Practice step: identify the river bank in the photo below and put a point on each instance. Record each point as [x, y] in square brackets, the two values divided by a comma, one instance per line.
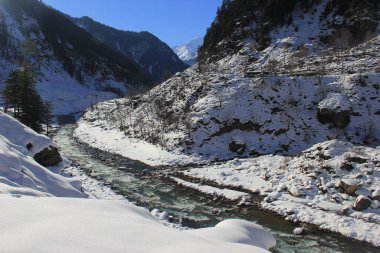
[199, 210]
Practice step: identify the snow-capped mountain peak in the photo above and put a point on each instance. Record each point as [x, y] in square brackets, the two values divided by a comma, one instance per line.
[188, 53]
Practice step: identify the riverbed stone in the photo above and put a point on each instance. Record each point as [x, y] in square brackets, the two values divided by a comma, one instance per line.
[349, 186]
[361, 203]
[376, 194]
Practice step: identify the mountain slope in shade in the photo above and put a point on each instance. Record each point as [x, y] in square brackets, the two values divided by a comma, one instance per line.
[156, 58]
[188, 53]
[74, 70]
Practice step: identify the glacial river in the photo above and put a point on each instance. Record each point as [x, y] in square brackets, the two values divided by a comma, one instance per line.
[148, 187]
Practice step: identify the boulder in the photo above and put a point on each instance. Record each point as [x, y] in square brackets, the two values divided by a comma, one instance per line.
[376, 194]
[296, 191]
[335, 109]
[349, 186]
[48, 157]
[361, 203]
[237, 146]
[298, 231]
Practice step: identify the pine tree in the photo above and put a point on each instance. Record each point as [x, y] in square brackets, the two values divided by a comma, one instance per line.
[20, 93]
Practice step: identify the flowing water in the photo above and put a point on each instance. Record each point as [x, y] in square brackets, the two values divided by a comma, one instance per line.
[146, 186]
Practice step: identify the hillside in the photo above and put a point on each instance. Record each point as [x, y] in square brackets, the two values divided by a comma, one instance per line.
[74, 69]
[155, 57]
[295, 93]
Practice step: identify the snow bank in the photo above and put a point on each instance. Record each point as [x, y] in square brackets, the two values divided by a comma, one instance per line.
[22, 135]
[225, 193]
[84, 225]
[19, 173]
[114, 141]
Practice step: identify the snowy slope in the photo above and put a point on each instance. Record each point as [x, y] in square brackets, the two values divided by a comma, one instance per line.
[20, 174]
[73, 225]
[230, 110]
[188, 53]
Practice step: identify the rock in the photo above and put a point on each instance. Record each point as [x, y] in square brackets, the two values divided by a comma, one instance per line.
[296, 192]
[298, 231]
[282, 187]
[335, 109]
[48, 157]
[349, 186]
[29, 146]
[245, 201]
[376, 194]
[237, 146]
[361, 203]
[345, 210]
[375, 204]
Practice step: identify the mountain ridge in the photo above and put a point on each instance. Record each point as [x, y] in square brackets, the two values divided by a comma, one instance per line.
[155, 57]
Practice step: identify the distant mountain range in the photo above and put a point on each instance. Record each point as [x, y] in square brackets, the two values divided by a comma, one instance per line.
[154, 57]
[188, 53]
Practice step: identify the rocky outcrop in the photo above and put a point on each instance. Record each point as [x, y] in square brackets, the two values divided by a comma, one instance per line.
[48, 157]
[335, 109]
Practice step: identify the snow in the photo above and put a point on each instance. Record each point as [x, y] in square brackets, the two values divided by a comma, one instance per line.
[213, 191]
[66, 94]
[21, 135]
[46, 210]
[188, 53]
[20, 174]
[304, 188]
[116, 142]
[335, 102]
[88, 225]
[298, 231]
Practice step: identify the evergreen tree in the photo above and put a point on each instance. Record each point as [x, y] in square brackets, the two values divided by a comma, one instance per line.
[20, 93]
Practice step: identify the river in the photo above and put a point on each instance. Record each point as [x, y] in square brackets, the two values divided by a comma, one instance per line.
[148, 187]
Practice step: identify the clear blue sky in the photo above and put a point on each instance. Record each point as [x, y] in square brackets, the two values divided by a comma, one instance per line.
[176, 22]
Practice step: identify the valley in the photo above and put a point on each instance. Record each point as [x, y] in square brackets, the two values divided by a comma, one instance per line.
[260, 135]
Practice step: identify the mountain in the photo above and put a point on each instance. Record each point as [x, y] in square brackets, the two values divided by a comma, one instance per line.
[74, 70]
[270, 84]
[155, 57]
[188, 53]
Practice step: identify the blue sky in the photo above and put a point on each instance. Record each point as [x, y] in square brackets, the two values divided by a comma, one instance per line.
[176, 22]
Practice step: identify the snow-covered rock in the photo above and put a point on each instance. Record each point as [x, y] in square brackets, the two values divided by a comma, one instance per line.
[298, 231]
[335, 109]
